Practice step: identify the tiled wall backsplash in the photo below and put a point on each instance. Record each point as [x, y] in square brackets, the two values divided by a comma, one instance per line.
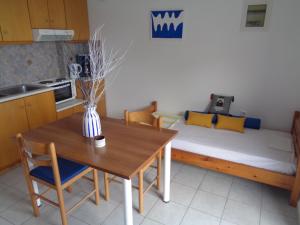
[37, 61]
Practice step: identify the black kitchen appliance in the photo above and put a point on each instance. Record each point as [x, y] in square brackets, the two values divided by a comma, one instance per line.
[84, 61]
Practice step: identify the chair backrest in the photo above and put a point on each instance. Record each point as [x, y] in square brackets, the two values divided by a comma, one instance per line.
[151, 108]
[144, 116]
[34, 154]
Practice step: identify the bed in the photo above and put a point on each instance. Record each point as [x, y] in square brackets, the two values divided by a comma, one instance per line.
[263, 155]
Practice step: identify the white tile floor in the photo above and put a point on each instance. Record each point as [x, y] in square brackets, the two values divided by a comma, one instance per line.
[198, 197]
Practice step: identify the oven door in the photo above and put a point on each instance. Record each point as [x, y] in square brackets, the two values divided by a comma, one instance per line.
[63, 92]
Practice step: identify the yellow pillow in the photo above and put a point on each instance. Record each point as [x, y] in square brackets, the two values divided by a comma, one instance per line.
[231, 123]
[200, 119]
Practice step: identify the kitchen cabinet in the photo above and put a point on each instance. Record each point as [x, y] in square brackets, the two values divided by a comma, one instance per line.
[13, 120]
[57, 14]
[77, 19]
[78, 108]
[14, 21]
[39, 15]
[65, 113]
[40, 109]
[47, 14]
[18, 116]
[70, 111]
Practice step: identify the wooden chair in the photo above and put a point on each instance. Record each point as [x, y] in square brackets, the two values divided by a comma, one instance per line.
[55, 173]
[143, 117]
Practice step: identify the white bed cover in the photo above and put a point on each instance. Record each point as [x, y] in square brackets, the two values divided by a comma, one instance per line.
[267, 149]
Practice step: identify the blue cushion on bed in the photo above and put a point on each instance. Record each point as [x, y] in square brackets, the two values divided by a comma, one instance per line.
[67, 169]
[250, 122]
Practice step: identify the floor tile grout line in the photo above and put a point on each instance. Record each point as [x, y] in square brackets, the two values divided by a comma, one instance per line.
[242, 203]
[261, 205]
[157, 200]
[151, 220]
[194, 196]
[174, 181]
[281, 213]
[218, 195]
[14, 203]
[45, 206]
[103, 222]
[154, 220]
[80, 220]
[227, 199]
[152, 207]
[120, 203]
[171, 180]
[199, 210]
[203, 178]
[198, 188]
[195, 188]
[28, 219]
[180, 169]
[6, 220]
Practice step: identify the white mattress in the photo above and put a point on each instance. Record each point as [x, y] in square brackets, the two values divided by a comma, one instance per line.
[267, 149]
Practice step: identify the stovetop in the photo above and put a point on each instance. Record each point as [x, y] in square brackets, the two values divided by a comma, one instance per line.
[51, 82]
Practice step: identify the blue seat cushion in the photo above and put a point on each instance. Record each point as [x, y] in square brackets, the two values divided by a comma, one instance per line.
[67, 169]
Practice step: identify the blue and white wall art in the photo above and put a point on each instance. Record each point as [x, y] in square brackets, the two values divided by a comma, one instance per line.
[167, 24]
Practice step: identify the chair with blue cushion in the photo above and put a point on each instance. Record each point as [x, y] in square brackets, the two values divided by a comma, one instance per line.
[54, 172]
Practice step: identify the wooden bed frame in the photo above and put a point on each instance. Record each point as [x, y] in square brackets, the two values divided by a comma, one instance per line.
[288, 182]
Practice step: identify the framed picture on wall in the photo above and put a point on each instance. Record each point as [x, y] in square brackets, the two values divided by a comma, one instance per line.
[167, 24]
[256, 15]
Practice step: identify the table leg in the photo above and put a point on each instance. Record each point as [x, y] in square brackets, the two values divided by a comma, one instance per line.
[167, 172]
[128, 216]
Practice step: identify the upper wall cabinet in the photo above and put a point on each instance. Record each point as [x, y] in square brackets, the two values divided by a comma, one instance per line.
[14, 21]
[47, 14]
[77, 19]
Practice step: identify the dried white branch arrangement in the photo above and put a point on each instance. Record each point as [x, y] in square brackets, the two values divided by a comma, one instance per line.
[103, 61]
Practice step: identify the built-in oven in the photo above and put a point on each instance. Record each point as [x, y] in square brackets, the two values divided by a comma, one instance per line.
[64, 89]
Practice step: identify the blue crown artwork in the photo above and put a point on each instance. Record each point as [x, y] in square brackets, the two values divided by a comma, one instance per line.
[167, 24]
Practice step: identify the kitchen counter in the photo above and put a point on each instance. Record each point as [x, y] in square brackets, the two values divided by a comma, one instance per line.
[68, 104]
[22, 95]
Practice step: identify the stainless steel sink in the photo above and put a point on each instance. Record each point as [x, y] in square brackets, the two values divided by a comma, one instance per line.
[19, 89]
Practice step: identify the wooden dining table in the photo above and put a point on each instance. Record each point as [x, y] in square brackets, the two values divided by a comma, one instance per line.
[128, 149]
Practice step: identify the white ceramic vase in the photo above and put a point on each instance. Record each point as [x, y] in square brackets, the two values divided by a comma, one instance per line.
[91, 125]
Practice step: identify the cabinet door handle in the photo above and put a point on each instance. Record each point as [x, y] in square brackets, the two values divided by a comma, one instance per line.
[22, 107]
[78, 36]
[28, 105]
[1, 36]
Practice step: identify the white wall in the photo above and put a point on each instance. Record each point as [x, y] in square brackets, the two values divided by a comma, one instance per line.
[261, 69]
